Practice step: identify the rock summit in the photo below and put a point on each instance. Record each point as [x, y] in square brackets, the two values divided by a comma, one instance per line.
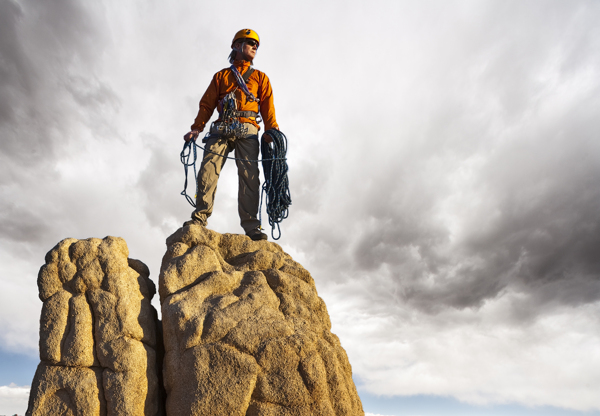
[244, 333]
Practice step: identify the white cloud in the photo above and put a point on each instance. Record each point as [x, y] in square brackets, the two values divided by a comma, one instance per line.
[13, 399]
[479, 356]
[373, 414]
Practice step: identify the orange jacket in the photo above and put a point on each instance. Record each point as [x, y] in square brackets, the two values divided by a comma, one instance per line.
[224, 82]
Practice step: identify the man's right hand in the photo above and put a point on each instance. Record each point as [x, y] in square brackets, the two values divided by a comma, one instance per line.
[192, 135]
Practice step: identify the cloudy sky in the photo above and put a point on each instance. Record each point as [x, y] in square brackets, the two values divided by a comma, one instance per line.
[444, 167]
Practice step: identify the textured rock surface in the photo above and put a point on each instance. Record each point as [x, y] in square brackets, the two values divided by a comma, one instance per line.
[98, 333]
[246, 333]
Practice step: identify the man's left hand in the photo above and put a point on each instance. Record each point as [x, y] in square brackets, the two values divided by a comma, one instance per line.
[267, 136]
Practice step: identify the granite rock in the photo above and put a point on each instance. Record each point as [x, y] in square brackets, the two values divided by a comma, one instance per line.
[98, 333]
[246, 333]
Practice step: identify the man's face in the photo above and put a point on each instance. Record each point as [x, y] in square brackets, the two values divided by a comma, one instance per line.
[248, 49]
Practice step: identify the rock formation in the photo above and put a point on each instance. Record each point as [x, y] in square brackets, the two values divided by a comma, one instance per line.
[245, 332]
[98, 333]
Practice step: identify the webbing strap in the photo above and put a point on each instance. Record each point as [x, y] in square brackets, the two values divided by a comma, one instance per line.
[245, 114]
[247, 74]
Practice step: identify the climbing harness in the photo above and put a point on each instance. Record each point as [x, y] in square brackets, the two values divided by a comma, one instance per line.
[229, 125]
[276, 185]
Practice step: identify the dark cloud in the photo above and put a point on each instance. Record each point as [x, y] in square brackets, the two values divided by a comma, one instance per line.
[18, 225]
[540, 239]
[14, 67]
[50, 96]
[511, 119]
[48, 52]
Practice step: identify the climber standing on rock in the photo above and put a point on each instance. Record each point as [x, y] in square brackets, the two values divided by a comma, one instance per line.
[239, 93]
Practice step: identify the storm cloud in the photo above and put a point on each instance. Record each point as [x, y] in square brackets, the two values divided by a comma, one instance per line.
[444, 161]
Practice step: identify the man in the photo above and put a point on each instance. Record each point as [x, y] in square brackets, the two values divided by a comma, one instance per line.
[239, 133]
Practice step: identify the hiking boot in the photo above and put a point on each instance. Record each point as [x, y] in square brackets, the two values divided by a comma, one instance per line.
[193, 221]
[256, 234]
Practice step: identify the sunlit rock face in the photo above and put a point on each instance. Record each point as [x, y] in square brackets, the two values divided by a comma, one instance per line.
[246, 333]
[98, 333]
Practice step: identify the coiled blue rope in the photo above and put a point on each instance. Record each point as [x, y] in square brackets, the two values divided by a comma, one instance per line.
[276, 185]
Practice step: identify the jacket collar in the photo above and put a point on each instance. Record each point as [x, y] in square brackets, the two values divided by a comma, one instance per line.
[239, 64]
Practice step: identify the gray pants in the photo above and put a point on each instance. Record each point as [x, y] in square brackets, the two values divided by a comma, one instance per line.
[246, 147]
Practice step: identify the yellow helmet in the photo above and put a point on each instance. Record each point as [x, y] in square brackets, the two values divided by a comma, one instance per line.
[245, 34]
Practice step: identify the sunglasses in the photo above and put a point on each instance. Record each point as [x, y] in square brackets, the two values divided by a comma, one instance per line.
[252, 43]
